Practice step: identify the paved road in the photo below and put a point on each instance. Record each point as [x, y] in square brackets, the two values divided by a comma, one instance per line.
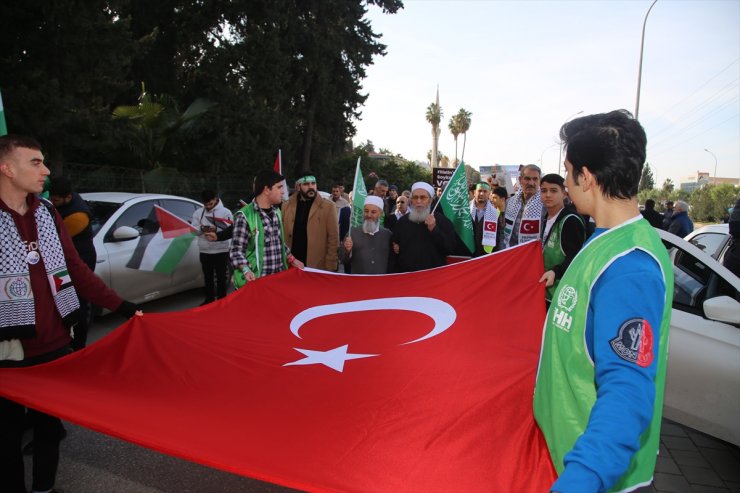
[95, 463]
[689, 461]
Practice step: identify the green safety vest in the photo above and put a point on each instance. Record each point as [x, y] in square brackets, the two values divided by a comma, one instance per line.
[255, 251]
[565, 391]
[553, 253]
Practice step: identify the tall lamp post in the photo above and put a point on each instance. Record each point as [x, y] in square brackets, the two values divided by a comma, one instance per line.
[560, 157]
[542, 156]
[639, 70]
[715, 165]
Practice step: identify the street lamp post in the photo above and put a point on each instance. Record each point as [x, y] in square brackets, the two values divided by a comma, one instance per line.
[715, 165]
[560, 157]
[542, 156]
[639, 70]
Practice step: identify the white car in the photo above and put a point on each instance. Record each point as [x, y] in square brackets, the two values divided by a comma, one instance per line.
[133, 256]
[703, 379]
[713, 239]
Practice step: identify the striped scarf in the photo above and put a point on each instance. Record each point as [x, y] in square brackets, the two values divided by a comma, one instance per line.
[490, 225]
[17, 313]
[529, 227]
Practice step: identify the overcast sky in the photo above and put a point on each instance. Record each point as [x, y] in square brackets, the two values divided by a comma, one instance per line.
[524, 67]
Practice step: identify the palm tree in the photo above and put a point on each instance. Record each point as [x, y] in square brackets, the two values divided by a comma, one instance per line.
[154, 120]
[455, 129]
[464, 117]
[434, 116]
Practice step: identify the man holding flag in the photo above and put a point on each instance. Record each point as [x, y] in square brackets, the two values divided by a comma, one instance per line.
[258, 247]
[422, 239]
[41, 274]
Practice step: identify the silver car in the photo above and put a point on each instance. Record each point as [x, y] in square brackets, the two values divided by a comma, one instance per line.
[145, 250]
[703, 380]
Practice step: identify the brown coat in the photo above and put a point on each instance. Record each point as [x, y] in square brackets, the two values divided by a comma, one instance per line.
[323, 231]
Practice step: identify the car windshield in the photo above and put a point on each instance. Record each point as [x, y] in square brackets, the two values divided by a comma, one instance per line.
[101, 212]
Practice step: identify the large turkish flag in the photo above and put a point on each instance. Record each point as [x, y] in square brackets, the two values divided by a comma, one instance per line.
[325, 382]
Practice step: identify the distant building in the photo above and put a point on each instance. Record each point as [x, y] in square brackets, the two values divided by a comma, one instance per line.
[701, 179]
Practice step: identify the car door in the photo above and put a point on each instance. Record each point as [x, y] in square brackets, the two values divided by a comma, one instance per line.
[188, 273]
[127, 276]
[704, 345]
[711, 243]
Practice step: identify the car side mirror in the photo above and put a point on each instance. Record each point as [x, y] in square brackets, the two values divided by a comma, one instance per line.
[125, 233]
[722, 309]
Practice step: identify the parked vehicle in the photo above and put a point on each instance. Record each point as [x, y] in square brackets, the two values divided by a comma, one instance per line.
[128, 242]
[713, 239]
[703, 380]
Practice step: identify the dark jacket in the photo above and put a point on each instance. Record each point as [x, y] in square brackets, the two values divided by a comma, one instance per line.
[83, 240]
[681, 225]
[654, 217]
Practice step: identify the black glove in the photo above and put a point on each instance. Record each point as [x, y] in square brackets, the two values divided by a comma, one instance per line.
[127, 309]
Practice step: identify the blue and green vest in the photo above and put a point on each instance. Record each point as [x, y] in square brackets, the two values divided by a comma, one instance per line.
[553, 253]
[255, 251]
[565, 391]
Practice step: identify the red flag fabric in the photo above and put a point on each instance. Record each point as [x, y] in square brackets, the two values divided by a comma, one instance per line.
[278, 166]
[172, 226]
[324, 382]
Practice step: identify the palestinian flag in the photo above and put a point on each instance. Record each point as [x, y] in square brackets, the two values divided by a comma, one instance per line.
[220, 222]
[59, 280]
[163, 250]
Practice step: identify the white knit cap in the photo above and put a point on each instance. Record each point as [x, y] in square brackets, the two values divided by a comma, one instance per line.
[423, 186]
[373, 200]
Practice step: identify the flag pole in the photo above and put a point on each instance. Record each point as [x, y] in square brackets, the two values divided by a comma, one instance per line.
[354, 194]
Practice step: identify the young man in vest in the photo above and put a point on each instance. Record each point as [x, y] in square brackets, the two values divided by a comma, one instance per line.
[41, 275]
[258, 244]
[564, 232]
[599, 392]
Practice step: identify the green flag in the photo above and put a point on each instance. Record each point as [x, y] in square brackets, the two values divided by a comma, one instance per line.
[455, 205]
[3, 126]
[359, 192]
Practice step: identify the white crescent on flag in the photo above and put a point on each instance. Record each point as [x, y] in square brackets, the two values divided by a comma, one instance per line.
[442, 313]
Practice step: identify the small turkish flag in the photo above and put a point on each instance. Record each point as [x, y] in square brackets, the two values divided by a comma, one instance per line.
[489, 226]
[530, 226]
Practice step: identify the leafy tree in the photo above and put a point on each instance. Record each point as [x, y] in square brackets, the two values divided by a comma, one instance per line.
[647, 182]
[710, 203]
[61, 63]
[668, 185]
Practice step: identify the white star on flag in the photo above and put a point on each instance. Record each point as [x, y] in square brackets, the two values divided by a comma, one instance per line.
[333, 358]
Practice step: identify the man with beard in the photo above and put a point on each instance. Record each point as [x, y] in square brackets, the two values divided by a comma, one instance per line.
[485, 220]
[367, 248]
[523, 211]
[311, 228]
[422, 239]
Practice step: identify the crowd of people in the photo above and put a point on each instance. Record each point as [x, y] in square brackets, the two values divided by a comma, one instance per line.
[607, 279]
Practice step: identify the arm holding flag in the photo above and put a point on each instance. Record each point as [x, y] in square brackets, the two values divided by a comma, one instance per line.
[89, 286]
